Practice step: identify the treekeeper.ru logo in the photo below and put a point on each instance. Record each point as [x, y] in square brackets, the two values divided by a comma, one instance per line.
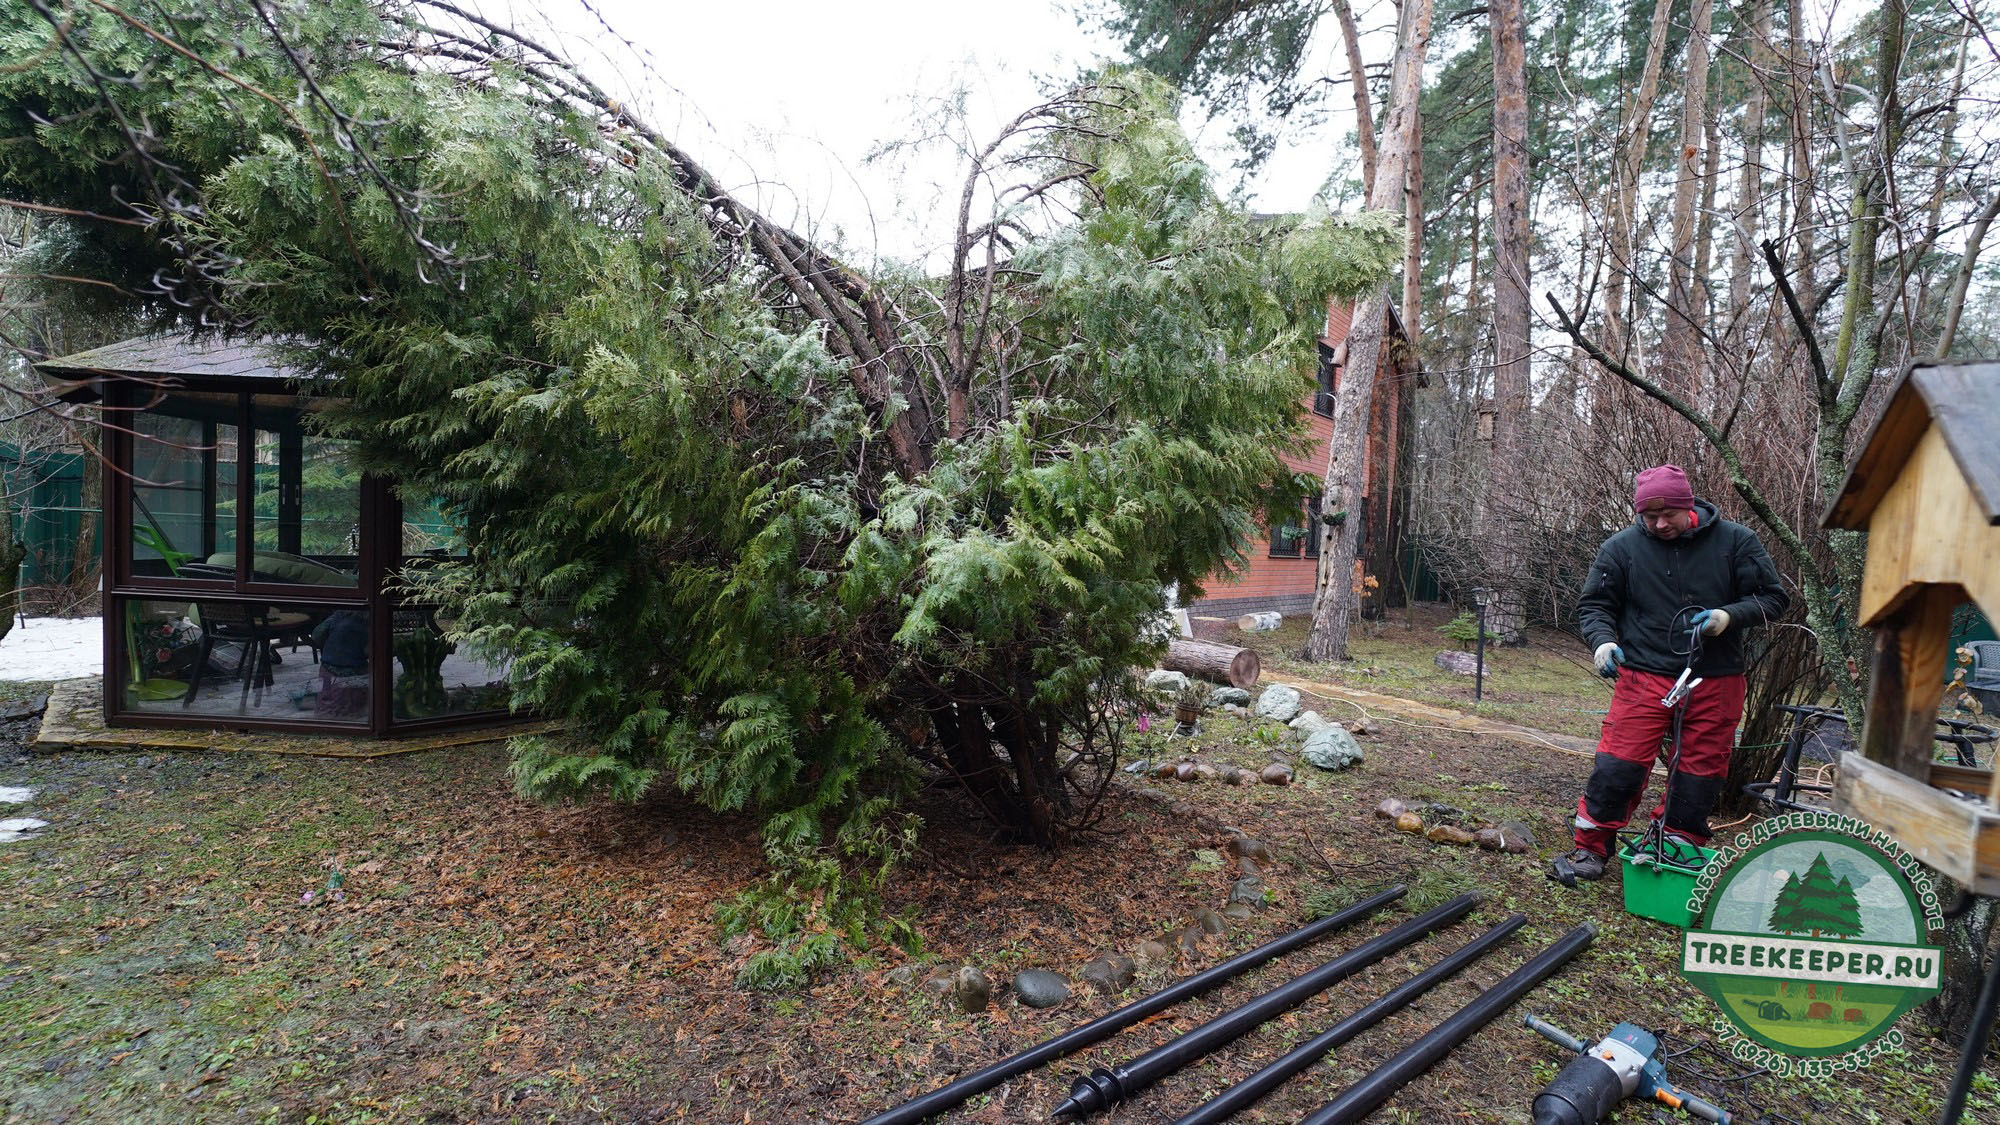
[1814, 934]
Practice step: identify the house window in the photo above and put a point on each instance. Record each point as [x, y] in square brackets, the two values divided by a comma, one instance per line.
[1329, 378]
[1298, 539]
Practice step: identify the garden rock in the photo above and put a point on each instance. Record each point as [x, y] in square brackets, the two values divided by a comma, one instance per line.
[1166, 769]
[1461, 663]
[1277, 773]
[1308, 722]
[1224, 697]
[940, 983]
[1186, 772]
[1487, 838]
[1237, 912]
[1039, 988]
[1409, 822]
[1162, 680]
[1153, 953]
[1449, 834]
[1249, 889]
[1233, 776]
[1515, 837]
[1249, 847]
[1210, 922]
[15, 795]
[902, 976]
[1332, 749]
[1236, 710]
[1391, 808]
[1278, 702]
[1205, 772]
[1112, 972]
[1438, 812]
[1188, 942]
[1364, 726]
[971, 990]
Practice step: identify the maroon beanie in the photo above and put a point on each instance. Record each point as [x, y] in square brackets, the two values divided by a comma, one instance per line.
[1662, 482]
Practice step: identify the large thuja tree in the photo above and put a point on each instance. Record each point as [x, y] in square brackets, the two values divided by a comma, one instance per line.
[749, 521]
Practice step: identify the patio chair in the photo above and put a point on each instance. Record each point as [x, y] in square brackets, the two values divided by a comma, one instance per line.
[1985, 672]
[256, 628]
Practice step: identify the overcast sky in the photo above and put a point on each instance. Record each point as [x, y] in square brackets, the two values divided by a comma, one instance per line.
[784, 100]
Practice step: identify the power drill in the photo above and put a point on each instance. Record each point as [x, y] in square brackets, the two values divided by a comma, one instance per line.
[1622, 1065]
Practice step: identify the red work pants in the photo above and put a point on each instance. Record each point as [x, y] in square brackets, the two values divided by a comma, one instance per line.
[1634, 731]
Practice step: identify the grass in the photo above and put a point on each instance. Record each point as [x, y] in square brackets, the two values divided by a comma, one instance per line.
[1546, 684]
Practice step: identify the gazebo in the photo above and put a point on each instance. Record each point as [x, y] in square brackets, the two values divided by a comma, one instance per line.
[250, 568]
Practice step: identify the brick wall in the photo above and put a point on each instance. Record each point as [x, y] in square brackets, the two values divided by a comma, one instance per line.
[1285, 584]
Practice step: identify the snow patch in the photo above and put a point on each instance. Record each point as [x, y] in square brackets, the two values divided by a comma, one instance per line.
[53, 648]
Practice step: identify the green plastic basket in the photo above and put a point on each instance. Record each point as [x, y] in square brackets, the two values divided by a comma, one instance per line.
[1660, 890]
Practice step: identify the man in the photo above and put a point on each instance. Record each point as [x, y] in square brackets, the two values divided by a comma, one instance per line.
[1678, 568]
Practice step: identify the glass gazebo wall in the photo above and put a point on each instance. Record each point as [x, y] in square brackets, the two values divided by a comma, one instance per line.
[199, 630]
[436, 681]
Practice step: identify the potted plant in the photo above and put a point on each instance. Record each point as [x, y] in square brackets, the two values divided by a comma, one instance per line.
[1191, 701]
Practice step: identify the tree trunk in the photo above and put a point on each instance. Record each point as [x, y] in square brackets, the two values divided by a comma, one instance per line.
[1680, 345]
[1413, 230]
[1334, 602]
[12, 552]
[1625, 184]
[1750, 180]
[1223, 664]
[1511, 401]
[1364, 114]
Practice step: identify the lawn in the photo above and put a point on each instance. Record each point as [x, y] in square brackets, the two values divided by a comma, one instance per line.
[1546, 683]
[489, 960]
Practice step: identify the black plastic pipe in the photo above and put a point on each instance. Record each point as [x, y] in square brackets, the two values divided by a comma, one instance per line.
[1978, 1034]
[1102, 1088]
[1076, 1039]
[1238, 1097]
[1362, 1098]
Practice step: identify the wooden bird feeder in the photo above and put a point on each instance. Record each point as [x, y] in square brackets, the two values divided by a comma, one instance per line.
[1926, 487]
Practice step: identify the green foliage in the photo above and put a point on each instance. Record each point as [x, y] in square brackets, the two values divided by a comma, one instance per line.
[684, 520]
[1232, 53]
[1465, 630]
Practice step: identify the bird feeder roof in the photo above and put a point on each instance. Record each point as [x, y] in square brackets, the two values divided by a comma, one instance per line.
[1963, 402]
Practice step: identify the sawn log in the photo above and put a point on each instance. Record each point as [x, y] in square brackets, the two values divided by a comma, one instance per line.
[1238, 667]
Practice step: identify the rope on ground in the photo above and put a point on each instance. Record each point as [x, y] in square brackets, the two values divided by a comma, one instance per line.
[1519, 732]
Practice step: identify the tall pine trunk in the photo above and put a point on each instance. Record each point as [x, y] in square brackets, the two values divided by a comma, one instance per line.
[1335, 602]
[1511, 395]
[1681, 346]
[1625, 185]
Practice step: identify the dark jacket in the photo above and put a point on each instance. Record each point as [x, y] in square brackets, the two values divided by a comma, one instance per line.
[1642, 590]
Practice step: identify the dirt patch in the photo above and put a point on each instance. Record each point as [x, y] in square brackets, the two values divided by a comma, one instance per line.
[485, 959]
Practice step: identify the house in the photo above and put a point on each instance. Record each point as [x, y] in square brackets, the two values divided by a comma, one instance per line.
[250, 565]
[1281, 569]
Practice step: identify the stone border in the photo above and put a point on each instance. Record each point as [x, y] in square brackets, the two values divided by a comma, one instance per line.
[75, 721]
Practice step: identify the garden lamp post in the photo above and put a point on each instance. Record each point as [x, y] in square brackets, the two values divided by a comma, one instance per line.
[1480, 596]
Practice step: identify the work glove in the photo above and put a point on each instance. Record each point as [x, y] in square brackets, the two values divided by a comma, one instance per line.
[1608, 657]
[1710, 621]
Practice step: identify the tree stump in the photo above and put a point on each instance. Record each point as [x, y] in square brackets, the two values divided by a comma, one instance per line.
[1238, 667]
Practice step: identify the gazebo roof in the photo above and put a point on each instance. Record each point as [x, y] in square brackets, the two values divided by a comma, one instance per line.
[174, 356]
[1963, 402]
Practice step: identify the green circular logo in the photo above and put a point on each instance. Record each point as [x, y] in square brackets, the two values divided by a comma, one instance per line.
[1814, 937]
